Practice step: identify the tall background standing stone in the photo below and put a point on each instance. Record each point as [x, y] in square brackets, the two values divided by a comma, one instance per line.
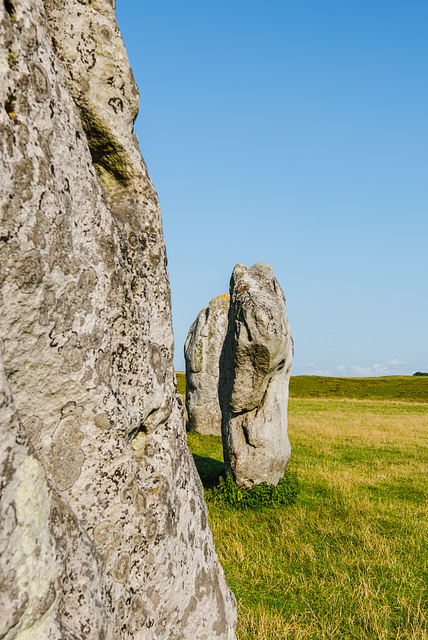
[93, 443]
[202, 353]
[254, 377]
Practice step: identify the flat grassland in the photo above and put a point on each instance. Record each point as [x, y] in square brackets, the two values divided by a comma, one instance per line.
[350, 559]
[406, 388]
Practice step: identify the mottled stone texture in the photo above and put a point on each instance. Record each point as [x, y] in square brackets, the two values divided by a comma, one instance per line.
[254, 376]
[105, 530]
[202, 353]
[51, 581]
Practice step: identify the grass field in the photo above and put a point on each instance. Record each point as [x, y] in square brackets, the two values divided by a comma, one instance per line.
[404, 388]
[349, 560]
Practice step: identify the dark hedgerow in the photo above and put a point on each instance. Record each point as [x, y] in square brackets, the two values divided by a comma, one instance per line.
[259, 495]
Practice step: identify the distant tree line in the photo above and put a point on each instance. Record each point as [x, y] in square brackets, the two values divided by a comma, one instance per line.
[420, 373]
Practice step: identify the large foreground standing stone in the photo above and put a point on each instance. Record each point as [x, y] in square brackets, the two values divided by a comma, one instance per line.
[104, 531]
[254, 376]
[202, 353]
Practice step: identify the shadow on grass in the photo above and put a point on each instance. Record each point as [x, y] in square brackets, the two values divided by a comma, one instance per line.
[209, 470]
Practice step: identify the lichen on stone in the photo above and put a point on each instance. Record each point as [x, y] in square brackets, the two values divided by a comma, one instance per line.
[87, 342]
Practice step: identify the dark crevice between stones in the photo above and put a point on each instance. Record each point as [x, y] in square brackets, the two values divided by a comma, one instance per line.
[141, 429]
[8, 5]
[9, 105]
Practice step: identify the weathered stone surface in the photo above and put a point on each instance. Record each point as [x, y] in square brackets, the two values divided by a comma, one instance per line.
[202, 353]
[87, 350]
[87, 41]
[51, 582]
[254, 376]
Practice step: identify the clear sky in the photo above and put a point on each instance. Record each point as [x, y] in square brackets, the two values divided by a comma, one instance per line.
[293, 132]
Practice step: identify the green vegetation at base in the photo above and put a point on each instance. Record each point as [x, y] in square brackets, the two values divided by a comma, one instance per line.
[348, 559]
[259, 495]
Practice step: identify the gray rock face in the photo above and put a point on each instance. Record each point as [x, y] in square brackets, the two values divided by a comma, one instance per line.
[254, 377]
[106, 531]
[44, 593]
[202, 353]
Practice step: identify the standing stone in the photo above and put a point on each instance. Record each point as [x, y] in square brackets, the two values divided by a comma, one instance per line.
[106, 532]
[254, 377]
[202, 353]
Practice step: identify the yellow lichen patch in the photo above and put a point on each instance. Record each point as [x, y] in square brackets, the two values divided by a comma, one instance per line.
[226, 296]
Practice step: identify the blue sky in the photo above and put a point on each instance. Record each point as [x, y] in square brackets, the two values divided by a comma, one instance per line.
[293, 132]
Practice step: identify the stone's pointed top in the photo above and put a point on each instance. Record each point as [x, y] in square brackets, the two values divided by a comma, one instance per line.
[261, 271]
[238, 271]
[260, 274]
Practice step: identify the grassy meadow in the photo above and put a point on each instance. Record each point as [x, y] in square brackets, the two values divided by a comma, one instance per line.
[405, 388]
[350, 558]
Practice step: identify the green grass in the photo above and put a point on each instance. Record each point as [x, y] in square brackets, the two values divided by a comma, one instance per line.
[349, 560]
[208, 455]
[181, 383]
[405, 388]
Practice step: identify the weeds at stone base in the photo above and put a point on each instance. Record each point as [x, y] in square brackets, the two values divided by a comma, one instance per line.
[259, 495]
